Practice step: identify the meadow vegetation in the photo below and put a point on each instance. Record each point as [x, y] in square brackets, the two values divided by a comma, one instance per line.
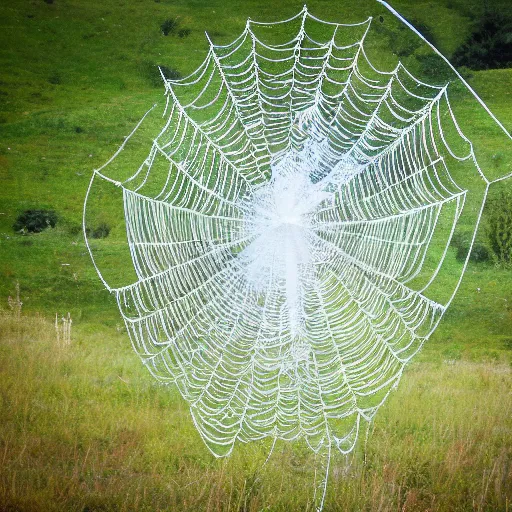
[83, 428]
[82, 425]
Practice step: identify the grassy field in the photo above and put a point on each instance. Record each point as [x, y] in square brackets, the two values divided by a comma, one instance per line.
[83, 427]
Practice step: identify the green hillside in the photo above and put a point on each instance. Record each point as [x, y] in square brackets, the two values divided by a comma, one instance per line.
[77, 79]
[84, 427]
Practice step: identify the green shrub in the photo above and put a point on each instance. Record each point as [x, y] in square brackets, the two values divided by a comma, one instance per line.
[102, 231]
[169, 26]
[184, 32]
[151, 73]
[54, 79]
[499, 227]
[490, 44]
[479, 253]
[35, 221]
[462, 241]
[170, 73]
[402, 41]
[434, 68]
[75, 229]
[424, 30]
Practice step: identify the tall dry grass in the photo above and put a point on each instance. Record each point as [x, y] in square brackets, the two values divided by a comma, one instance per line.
[83, 427]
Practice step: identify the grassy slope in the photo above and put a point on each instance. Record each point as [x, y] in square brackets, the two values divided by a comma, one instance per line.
[53, 134]
[74, 82]
[86, 430]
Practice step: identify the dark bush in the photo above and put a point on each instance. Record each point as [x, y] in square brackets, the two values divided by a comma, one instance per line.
[102, 231]
[490, 44]
[170, 73]
[35, 221]
[434, 68]
[184, 32]
[462, 253]
[499, 227]
[169, 26]
[462, 241]
[150, 72]
[403, 42]
[479, 253]
[75, 229]
[54, 79]
[424, 30]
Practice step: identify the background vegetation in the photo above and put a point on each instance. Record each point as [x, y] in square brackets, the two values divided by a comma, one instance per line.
[82, 426]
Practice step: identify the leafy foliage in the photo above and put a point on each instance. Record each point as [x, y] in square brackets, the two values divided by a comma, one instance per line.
[35, 221]
[402, 41]
[479, 253]
[433, 68]
[54, 79]
[490, 45]
[102, 231]
[462, 242]
[151, 73]
[184, 32]
[499, 227]
[169, 26]
[170, 73]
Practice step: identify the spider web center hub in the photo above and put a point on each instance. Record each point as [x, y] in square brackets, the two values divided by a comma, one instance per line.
[281, 227]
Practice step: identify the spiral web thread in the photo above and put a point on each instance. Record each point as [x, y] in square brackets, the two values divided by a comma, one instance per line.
[282, 230]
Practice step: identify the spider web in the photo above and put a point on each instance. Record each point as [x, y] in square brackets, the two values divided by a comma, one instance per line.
[288, 230]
